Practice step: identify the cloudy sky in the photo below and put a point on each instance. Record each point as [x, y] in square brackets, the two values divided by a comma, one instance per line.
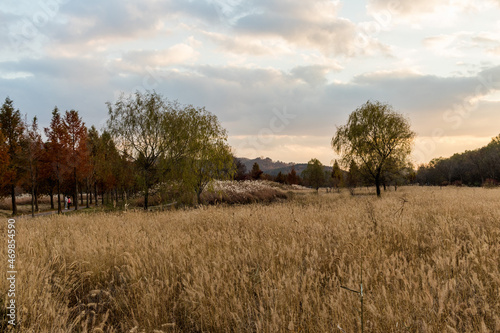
[279, 74]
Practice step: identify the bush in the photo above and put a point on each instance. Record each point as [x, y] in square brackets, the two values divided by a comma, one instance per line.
[490, 183]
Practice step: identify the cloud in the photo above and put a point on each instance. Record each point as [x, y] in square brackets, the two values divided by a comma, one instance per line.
[261, 101]
[459, 43]
[425, 13]
[247, 45]
[314, 75]
[312, 24]
[176, 54]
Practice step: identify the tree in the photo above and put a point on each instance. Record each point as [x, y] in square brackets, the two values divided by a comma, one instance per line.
[77, 144]
[314, 174]
[280, 178]
[241, 170]
[33, 150]
[292, 178]
[12, 128]
[374, 134]
[337, 175]
[256, 172]
[57, 150]
[138, 125]
[207, 155]
[353, 176]
[4, 163]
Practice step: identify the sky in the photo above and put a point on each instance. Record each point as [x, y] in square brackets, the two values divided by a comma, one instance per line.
[280, 75]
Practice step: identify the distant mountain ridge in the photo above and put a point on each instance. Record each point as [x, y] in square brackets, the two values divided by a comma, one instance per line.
[272, 168]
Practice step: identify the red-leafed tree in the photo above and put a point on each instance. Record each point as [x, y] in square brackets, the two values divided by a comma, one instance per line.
[4, 163]
[12, 128]
[77, 144]
[33, 151]
[57, 150]
[93, 143]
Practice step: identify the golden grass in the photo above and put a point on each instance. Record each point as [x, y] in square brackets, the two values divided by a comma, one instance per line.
[432, 267]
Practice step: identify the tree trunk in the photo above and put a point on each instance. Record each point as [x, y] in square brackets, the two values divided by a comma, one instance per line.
[59, 210]
[146, 197]
[13, 195]
[32, 200]
[51, 198]
[76, 189]
[377, 185]
[81, 196]
[95, 194]
[102, 197]
[88, 193]
[36, 199]
[385, 188]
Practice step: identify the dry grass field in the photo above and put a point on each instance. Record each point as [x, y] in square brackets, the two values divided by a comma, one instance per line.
[431, 264]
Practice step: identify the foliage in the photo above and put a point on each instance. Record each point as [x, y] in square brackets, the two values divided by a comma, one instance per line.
[12, 128]
[241, 170]
[374, 135]
[292, 178]
[77, 146]
[58, 151]
[472, 168]
[337, 175]
[207, 155]
[314, 174]
[256, 173]
[167, 141]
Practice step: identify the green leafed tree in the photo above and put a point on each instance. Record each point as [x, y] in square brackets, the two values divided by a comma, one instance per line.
[206, 154]
[137, 124]
[169, 142]
[314, 174]
[374, 135]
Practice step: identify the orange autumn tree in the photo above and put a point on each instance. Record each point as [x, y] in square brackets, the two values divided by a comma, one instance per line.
[4, 163]
[77, 147]
[12, 128]
[33, 151]
[57, 151]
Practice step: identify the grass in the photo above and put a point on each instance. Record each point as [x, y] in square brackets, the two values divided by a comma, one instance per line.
[433, 266]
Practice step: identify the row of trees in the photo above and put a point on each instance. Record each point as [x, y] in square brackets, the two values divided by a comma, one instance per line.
[290, 178]
[168, 148]
[480, 167]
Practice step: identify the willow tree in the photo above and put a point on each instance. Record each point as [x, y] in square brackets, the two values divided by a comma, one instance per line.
[168, 141]
[136, 123]
[374, 137]
[206, 155]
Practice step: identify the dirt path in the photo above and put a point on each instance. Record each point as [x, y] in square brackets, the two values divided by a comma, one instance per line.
[51, 212]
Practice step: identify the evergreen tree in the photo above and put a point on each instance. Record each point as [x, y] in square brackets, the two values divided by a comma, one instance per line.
[337, 175]
[256, 173]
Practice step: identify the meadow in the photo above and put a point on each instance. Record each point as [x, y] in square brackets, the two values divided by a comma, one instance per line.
[428, 260]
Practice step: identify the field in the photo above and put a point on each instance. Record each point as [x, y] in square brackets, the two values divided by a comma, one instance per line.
[428, 259]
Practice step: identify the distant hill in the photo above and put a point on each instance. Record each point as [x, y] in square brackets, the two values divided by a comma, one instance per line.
[274, 167]
[265, 164]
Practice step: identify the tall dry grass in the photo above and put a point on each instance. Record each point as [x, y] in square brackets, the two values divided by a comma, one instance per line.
[433, 266]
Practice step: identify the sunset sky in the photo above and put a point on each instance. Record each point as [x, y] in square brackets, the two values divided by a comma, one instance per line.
[279, 74]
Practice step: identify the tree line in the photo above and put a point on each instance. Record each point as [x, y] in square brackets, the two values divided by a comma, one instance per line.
[150, 145]
[479, 167]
